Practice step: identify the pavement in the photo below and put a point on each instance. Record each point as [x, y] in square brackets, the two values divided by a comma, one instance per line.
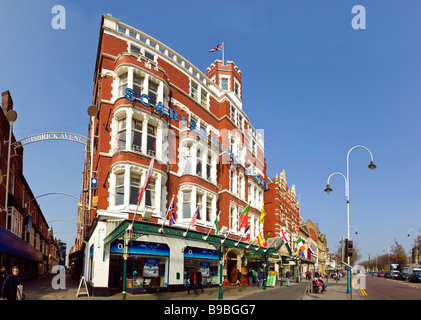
[42, 289]
[336, 290]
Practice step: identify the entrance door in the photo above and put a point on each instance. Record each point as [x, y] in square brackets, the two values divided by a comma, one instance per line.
[232, 271]
[232, 267]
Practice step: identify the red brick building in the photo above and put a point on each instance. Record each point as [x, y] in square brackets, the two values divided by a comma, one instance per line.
[24, 238]
[282, 207]
[152, 103]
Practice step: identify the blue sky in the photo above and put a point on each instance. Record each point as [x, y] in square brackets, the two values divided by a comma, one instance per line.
[316, 86]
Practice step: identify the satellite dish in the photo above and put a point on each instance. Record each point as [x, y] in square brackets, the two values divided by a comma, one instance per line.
[92, 111]
[11, 115]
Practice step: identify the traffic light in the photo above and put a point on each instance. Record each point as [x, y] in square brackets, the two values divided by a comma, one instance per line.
[349, 248]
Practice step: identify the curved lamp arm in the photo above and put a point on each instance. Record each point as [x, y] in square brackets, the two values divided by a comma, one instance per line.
[329, 189]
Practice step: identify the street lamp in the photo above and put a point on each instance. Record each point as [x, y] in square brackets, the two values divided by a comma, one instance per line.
[416, 243]
[356, 230]
[328, 190]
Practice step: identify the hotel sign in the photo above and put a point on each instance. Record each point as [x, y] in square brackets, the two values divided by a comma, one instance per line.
[191, 124]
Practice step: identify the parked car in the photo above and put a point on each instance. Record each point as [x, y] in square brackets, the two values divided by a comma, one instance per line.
[403, 276]
[387, 274]
[415, 277]
[380, 274]
[374, 273]
[395, 274]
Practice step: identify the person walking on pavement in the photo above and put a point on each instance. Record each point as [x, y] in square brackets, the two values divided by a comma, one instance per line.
[10, 286]
[287, 275]
[198, 282]
[260, 276]
[239, 278]
[3, 275]
[192, 281]
[250, 276]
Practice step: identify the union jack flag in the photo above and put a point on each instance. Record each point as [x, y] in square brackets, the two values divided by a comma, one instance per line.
[216, 48]
[171, 213]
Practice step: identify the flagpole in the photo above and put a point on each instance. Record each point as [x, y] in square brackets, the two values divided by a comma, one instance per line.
[188, 228]
[205, 238]
[166, 215]
[273, 241]
[241, 238]
[223, 49]
[236, 223]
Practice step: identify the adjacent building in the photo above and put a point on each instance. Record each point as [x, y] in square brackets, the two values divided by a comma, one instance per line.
[24, 239]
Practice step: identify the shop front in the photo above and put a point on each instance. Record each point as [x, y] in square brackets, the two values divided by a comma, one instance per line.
[205, 260]
[147, 265]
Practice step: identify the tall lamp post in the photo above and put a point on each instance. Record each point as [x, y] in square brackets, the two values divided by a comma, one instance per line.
[416, 244]
[11, 116]
[328, 190]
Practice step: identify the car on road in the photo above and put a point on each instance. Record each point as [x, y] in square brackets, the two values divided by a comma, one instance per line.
[403, 276]
[374, 273]
[395, 274]
[380, 274]
[415, 277]
[387, 275]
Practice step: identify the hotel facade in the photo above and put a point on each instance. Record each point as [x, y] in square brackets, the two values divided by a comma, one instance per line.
[148, 103]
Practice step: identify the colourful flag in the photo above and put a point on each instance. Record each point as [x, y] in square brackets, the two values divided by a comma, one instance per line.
[310, 248]
[300, 245]
[172, 220]
[260, 239]
[216, 48]
[244, 218]
[195, 217]
[216, 222]
[284, 235]
[265, 242]
[299, 253]
[262, 215]
[145, 185]
[247, 233]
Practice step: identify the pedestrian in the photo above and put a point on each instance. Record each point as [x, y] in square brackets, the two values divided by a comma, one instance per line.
[255, 276]
[287, 275]
[239, 275]
[198, 282]
[3, 275]
[260, 276]
[10, 286]
[250, 276]
[192, 280]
